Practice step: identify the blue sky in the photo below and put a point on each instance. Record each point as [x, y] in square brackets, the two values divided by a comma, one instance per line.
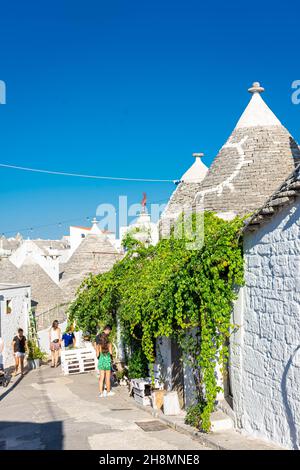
[129, 88]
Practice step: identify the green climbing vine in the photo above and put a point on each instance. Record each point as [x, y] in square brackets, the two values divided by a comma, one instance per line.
[170, 290]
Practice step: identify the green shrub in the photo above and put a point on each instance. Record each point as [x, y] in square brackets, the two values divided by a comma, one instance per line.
[193, 415]
[34, 351]
[137, 365]
[120, 374]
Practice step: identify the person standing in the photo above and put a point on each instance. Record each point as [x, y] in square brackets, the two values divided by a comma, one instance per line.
[55, 343]
[69, 338]
[104, 354]
[19, 350]
[106, 332]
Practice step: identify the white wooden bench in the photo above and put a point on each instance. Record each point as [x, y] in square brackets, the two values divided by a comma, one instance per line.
[78, 361]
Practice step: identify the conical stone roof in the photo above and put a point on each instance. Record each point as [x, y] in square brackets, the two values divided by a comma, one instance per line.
[257, 157]
[184, 194]
[95, 254]
[45, 294]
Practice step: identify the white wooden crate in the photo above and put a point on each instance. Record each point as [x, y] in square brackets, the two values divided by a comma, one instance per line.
[78, 361]
[140, 397]
[142, 390]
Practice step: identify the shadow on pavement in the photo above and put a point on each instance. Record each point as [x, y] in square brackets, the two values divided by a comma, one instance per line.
[17, 435]
[11, 386]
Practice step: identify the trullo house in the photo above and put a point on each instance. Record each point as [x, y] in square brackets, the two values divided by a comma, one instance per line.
[265, 351]
[250, 167]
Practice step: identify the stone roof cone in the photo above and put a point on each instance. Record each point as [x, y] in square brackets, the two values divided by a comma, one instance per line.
[257, 157]
[196, 172]
[95, 254]
[184, 194]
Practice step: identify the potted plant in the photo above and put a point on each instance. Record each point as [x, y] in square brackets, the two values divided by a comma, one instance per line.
[35, 355]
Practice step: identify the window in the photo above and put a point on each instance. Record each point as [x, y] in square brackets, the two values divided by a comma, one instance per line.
[8, 306]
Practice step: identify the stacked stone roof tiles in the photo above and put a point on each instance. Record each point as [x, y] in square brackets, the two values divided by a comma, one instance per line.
[96, 254]
[184, 195]
[47, 245]
[10, 243]
[248, 169]
[259, 154]
[45, 293]
[286, 194]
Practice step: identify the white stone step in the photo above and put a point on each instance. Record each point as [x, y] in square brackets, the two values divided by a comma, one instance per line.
[220, 422]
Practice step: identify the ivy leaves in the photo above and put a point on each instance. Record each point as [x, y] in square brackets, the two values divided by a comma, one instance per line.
[169, 290]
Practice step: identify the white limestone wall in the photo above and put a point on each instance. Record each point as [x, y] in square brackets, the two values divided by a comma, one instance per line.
[77, 234]
[265, 353]
[165, 366]
[190, 395]
[18, 318]
[43, 337]
[236, 354]
[164, 361]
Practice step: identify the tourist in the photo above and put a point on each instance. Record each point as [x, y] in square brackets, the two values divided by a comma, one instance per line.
[55, 343]
[19, 349]
[104, 353]
[106, 332]
[68, 338]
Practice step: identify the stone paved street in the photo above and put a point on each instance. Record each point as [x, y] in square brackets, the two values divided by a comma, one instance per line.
[46, 410]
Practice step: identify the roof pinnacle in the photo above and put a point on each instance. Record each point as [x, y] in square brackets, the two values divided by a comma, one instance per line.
[256, 88]
[198, 155]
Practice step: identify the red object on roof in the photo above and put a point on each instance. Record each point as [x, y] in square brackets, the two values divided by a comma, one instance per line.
[83, 228]
[144, 200]
[89, 228]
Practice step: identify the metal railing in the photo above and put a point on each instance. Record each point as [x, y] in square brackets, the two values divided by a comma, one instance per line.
[45, 319]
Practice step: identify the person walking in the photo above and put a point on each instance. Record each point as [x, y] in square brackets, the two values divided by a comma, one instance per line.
[55, 343]
[19, 350]
[104, 353]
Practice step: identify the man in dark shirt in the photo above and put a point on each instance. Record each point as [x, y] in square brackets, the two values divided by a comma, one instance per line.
[19, 349]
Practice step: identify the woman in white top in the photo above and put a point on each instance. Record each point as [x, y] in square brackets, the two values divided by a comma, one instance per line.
[55, 343]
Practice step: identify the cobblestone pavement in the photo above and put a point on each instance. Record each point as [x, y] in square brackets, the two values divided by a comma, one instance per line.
[46, 410]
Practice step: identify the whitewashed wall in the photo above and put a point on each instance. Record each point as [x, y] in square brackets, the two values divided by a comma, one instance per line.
[164, 361]
[43, 337]
[165, 365]
[18, 318]
[265, 352]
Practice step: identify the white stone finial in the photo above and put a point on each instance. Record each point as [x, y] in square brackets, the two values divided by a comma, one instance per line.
[256, 88]
[257, 113]
[198, 155]
[197, 171]
[95, 228]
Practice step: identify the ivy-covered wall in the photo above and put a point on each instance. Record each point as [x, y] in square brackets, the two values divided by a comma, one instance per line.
[170, 290]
